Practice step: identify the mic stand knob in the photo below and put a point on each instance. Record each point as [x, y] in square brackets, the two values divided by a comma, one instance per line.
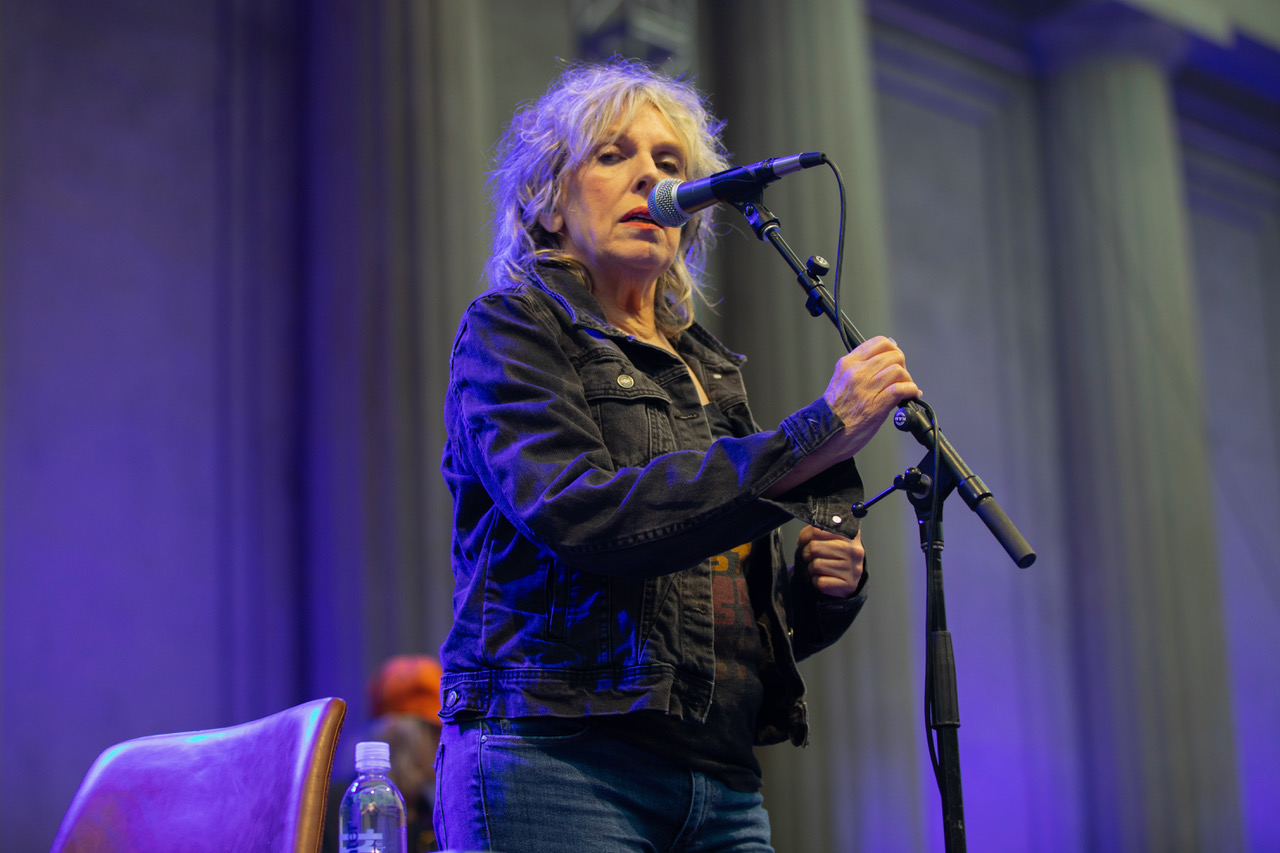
[913, 481]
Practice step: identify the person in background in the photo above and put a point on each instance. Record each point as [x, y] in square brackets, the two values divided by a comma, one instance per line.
[404, 700]
[626, 624]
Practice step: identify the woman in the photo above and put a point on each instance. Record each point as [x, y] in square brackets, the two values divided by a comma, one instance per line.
[626, 625]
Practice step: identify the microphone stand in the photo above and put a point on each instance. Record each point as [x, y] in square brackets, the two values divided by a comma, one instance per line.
[942, 709]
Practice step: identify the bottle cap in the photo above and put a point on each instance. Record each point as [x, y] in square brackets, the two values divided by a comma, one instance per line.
[373, 755]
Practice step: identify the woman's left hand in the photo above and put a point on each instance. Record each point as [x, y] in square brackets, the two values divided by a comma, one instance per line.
[834, 561]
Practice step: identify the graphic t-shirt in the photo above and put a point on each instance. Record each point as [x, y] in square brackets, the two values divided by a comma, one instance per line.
[722, 746]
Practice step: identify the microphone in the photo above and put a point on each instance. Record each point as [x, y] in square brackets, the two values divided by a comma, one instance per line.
[672, 203]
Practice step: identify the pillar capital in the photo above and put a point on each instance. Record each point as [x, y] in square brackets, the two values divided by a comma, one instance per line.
[1108, 30]
[658, 31]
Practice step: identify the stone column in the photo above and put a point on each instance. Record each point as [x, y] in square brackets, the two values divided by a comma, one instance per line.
[1151, 661]
[399, 127]
[788, 78]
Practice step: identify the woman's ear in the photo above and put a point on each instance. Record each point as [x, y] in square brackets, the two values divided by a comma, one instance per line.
[551, 221]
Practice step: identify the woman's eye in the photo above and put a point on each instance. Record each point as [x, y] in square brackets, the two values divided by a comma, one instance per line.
[609, 157]
[670, 166]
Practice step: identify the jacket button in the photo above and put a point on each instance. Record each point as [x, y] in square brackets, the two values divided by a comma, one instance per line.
[451, 698]
[626, 381]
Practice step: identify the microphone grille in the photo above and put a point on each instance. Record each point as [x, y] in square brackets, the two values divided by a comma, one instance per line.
[662, 204]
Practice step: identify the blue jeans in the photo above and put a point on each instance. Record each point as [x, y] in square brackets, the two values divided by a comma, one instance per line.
[541, 785]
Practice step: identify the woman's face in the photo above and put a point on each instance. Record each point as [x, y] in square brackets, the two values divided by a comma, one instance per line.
[603, 216]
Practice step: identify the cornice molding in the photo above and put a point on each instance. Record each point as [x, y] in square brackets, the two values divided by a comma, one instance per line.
[1100, 31]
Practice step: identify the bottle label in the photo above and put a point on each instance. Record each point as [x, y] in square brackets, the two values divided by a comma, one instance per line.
[368, 841]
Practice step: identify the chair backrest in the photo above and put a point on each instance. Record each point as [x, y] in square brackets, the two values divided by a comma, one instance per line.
[260, 785]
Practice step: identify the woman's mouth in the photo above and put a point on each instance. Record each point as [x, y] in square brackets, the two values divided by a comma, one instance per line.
[640, 216]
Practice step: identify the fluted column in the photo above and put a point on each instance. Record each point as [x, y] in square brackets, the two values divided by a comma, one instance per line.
[796, 77]
[450, 102]
[399, 130]
[1151, 663]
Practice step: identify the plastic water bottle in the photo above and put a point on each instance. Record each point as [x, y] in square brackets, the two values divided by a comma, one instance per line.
[372, 818]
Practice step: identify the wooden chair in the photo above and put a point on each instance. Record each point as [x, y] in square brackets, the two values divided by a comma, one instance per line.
[261, 785]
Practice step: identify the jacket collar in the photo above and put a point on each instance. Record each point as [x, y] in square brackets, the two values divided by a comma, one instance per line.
[584, 310]
[583, 307]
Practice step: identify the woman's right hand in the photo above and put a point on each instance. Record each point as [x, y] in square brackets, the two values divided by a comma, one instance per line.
[868, 383]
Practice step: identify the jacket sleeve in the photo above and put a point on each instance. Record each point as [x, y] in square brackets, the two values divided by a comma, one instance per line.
[517, 412]
[818, 620]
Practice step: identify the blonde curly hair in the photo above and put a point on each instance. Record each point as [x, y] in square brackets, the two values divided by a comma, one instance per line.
[547, 140]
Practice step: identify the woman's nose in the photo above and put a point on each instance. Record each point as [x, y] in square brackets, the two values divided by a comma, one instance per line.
[649, 175]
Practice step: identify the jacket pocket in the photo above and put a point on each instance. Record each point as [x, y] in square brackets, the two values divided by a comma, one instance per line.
[631, 410]
[557, 580]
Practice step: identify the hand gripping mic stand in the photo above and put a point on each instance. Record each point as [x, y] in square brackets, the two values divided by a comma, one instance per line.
[926, 494]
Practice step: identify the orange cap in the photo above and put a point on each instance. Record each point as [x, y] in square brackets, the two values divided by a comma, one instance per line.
[407, 684]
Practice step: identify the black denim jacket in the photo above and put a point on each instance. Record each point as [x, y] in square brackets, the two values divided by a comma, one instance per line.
[588, 498]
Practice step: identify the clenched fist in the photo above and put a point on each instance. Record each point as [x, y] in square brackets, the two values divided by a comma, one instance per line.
[834, 561]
